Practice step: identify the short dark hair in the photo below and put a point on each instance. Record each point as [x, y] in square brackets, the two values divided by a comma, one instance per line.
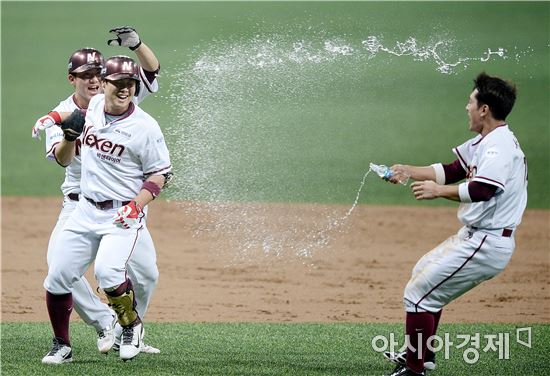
[498, 94]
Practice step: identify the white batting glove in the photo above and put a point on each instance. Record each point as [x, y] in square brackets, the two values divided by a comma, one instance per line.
[126, 36]
[128, 215]
[45, 122]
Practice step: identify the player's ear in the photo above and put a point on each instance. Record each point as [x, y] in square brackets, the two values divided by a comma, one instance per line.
[72, 79]
[485, 110]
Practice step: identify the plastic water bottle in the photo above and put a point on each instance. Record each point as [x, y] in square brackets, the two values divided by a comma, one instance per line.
[386, 173]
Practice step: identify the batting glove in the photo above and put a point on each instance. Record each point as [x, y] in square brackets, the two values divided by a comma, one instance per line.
[128, 215]
[72, 126]
[126, 37]
[45, 122]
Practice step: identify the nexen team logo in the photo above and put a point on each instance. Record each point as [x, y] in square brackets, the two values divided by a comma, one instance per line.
[92, 57]
[102, 144]
[126, 66]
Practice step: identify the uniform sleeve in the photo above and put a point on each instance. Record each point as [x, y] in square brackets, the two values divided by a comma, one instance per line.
[149, 84]
[464, 153]
[155, 158]
[453, 172]
[493, 167]
[54, 134]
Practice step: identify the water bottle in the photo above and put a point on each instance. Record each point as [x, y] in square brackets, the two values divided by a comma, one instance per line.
[386, 173]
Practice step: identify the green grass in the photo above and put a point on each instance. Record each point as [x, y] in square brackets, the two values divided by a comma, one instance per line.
[311, 134]
[264, 349]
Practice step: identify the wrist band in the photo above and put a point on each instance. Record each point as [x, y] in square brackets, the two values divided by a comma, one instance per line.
[136, 46]
[153, 188]
[55, 116]
[439, 173]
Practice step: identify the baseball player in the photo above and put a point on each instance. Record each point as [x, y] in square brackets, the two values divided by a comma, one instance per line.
[492, 201]
[84, 70]
[125, 164]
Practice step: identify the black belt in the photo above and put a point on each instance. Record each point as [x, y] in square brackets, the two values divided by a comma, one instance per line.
[105, 205]
[506, 232]
[73, 196]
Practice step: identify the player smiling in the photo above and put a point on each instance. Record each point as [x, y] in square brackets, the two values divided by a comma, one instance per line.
[84, 70]
[109, 219]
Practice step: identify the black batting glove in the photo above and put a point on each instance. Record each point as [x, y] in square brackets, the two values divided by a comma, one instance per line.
[72, 126]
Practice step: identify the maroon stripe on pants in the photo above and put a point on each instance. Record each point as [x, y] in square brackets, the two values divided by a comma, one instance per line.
[452, 274]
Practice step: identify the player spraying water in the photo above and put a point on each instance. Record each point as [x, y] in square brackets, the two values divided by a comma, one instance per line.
[493, 198]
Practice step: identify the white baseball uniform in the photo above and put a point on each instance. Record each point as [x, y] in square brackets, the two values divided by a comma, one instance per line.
[482, 248]
[142, 270]
[118, 154]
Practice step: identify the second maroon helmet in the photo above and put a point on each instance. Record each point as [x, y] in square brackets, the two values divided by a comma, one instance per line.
[119, 67]
[85, 59]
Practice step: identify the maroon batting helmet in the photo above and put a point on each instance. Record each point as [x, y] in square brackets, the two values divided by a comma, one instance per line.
[85, 59]
[120, 67]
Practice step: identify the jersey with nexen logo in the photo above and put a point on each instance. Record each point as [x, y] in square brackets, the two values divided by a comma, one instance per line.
[495, 159]
[118, 156]
[54, 135]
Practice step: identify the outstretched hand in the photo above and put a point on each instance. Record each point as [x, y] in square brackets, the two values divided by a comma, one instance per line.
[399, 174]
[126, 36]
[425, 190]
[45, 122]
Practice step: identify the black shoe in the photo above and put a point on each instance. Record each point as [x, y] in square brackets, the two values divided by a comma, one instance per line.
[400, 358]
[402, 370]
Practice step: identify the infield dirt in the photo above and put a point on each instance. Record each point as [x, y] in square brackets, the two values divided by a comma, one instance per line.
[358, 277]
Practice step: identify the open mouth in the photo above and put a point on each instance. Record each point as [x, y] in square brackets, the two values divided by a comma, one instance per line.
[93, 88]
[122, 96]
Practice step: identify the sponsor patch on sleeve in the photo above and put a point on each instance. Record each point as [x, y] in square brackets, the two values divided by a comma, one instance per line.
[491, 152]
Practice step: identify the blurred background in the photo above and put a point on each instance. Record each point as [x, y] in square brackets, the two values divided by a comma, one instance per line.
[287, 101]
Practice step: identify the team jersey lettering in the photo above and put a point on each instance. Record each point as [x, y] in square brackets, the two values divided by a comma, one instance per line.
[102, 144]
[77, 146]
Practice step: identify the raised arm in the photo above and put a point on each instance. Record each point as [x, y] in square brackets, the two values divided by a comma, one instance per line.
[127, 36]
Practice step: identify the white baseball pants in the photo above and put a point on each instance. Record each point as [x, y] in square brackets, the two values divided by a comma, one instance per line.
[86, 303]
[456, 266]
[89, 234]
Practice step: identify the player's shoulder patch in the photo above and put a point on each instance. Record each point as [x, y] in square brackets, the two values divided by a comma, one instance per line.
[492, 152]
